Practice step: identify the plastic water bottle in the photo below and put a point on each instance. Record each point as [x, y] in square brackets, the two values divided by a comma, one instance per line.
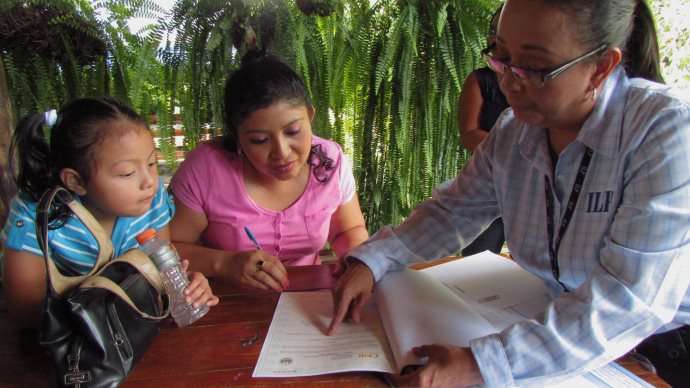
[165, 257]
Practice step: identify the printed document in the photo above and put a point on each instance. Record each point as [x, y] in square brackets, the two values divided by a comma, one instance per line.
[297, 346]
[450, 303]
[495, 287]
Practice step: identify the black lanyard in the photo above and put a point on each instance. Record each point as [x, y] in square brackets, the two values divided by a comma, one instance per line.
[569, 210]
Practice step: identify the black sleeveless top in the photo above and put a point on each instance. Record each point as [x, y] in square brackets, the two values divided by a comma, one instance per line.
[494, 100]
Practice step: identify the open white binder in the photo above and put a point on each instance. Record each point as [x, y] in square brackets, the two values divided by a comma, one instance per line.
[452, 302]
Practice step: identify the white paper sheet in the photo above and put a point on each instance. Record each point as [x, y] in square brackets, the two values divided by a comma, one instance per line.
[608, 376]
[495, 287]
[417, 310]
[296, 343]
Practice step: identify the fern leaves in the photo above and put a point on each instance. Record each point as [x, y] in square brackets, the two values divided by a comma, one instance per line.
[384, 77]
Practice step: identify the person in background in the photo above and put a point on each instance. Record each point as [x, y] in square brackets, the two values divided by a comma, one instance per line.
[641, 53]
[481, 102]
[102, 152]
[590, 171]
[292, 190]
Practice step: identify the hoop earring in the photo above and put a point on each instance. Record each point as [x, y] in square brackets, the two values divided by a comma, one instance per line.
[594, 94]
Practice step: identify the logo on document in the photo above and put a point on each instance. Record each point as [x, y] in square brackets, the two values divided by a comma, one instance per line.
[285, 361]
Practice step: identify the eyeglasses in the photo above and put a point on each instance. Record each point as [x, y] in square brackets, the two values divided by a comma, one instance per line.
[534, 78]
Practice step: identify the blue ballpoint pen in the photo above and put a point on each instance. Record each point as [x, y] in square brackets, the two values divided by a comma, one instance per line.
[286, 284]
[251, 237]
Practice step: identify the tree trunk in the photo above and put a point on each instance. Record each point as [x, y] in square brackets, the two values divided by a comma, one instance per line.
[7, 186]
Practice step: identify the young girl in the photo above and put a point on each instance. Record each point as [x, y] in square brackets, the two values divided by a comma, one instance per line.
[101, 151]
[292, 190]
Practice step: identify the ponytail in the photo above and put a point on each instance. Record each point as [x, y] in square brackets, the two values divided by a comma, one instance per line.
[627, 24]
[29, 156]
[75, 133]
[641, 53]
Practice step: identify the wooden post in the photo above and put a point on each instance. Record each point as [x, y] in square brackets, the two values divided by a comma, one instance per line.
[7, 186]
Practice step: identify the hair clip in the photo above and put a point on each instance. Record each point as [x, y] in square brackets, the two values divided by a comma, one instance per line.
[50, 117]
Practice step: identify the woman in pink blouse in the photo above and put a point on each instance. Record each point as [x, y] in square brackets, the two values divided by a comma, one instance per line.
[293, 190]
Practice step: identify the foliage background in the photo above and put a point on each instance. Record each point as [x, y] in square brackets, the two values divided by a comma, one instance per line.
[673, 32]
[384, 75]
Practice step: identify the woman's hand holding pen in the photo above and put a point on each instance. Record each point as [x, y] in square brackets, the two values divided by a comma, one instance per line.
[264, 271]
[255, 268]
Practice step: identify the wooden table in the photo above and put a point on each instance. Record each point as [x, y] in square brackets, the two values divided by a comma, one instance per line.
[220, 350]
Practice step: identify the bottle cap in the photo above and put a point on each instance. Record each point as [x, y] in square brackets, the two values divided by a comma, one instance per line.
[146, 236]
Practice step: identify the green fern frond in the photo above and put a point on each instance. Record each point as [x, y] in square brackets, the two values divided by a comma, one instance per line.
[383, 66]
[446, 46]
[385, 77]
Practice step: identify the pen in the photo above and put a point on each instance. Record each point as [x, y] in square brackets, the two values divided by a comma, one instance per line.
[251, 237]
[260, 263]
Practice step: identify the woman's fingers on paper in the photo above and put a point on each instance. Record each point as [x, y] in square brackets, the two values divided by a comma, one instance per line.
[356, 307]
[362, 284]
[342, 298]
[351, 292]
[348, 305]
[340, 308]
[344, 305]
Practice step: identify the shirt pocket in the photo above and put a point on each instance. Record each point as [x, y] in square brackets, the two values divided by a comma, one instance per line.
[318, 224]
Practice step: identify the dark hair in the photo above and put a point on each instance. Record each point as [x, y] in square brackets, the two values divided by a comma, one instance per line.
[261, 81]
[627, 24]
[81, 125]
[492, 28]
[641, 53]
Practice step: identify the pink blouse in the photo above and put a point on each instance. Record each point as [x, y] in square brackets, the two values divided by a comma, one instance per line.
[210, 181]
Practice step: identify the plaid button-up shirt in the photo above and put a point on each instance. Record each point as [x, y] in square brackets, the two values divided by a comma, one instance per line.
[625, 255]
